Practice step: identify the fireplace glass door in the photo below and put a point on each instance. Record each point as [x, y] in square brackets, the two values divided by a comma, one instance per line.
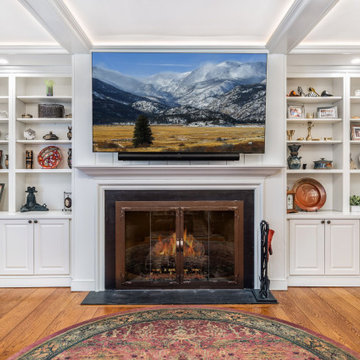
[192, 244]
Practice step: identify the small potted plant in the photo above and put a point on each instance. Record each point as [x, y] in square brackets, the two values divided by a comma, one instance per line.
[355, 203]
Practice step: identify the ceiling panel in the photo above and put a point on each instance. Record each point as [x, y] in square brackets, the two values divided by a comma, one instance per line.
[116, 22]
[339, 27]
[18, 27]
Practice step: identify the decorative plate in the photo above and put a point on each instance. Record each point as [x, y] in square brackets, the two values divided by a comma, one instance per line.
[310, 195]
[49, 157]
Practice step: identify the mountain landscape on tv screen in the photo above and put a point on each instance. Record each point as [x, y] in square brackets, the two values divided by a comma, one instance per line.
[228, 96]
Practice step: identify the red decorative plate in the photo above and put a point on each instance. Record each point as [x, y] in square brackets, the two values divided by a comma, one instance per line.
[49, 157]
[310, 195]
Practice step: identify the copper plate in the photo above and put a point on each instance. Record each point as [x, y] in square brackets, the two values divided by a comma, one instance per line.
[310, 195]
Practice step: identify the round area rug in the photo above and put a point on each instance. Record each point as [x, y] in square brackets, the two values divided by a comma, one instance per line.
[185, 333]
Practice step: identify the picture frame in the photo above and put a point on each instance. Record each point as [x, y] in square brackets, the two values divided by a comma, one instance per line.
[327, 112]
[2, 186]
[296, 111]
[290, 202]
[67, 201]
[355, 132]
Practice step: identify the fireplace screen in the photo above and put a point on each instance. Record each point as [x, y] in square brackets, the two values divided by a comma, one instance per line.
[179, 244]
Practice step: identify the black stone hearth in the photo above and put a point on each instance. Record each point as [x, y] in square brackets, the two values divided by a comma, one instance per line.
[175, 297]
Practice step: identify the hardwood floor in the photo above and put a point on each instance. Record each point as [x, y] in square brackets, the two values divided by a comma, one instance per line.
[27, 315]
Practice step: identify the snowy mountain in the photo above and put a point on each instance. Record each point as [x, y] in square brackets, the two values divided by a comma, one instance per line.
[226, 94]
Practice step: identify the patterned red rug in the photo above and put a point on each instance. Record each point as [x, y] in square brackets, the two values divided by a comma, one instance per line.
[185, 333]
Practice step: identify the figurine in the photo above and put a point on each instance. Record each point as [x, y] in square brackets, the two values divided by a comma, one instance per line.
[69, 159]
[29, 134]
[69, 133]
[29, 160]
[310, 125]
[301, 91]
[50, 136]
[31, 204]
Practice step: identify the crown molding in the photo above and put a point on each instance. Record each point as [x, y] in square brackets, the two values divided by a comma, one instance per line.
[180, 47]
[326, 49]
[56, 18]
[33, 49]
[300, 19]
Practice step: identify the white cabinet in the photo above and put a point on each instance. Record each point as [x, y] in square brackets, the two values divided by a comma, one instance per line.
[16, 246]
[306, 247]
[35, 247]
[342, 247]
[324, 247]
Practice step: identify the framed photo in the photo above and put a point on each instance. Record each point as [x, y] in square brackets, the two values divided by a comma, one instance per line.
[290, 202]
[328, 112]
[295, 111]
[355, 132]
[1, 190]
[67, 201]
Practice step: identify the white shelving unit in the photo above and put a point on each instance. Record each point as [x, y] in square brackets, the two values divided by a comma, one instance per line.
[324, 245]
[19, 95]
[333, 148]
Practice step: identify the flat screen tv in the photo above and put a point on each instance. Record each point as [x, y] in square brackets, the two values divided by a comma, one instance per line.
[171, 105]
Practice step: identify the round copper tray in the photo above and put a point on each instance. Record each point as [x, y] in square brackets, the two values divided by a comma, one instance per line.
[310, 195]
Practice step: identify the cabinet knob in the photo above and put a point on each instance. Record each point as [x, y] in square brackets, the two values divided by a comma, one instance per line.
[329, 222]
[35, 221]
[30, 221]
[323, 221]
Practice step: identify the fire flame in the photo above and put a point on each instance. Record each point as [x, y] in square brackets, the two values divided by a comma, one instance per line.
[167, 247]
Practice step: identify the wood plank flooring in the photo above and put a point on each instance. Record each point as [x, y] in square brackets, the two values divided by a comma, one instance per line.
[27, 315]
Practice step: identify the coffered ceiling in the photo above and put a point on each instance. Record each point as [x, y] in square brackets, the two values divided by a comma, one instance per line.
[79, 26]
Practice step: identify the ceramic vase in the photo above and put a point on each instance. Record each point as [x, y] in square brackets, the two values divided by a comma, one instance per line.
[294, 161]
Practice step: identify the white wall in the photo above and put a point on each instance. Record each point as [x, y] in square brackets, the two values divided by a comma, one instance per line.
[84, 244]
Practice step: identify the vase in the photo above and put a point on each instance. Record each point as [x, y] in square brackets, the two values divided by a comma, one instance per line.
[69, 159]
[294, 161]
[355, 208]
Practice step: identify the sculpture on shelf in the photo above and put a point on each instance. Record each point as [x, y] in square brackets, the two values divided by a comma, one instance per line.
[50, 136]
[310, 126]
[7, 161]
[69, 159]
[29, 160]
[69, 133]
[31, 204]
[29, 134]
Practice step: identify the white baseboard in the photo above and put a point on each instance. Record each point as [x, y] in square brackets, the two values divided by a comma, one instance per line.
[278, 284]
[329, 281]
[83, 285]
[35, 281]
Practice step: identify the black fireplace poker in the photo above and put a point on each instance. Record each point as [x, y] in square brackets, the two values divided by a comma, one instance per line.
[263, 294]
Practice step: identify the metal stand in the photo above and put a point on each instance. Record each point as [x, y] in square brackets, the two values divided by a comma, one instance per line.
[263, 294]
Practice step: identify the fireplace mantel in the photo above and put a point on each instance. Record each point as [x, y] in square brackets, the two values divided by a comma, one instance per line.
[153, 171]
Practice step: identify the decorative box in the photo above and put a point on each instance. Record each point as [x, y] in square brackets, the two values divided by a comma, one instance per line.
[51, 111]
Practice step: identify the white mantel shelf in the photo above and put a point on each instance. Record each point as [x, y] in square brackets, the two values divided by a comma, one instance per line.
[179, 170]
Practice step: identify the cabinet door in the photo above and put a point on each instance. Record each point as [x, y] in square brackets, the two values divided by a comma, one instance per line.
[51, 238]
[306, 247]
[342, 247]
[16, 247]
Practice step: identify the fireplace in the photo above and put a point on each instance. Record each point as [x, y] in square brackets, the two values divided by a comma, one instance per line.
[179, 239]
[179, 244]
